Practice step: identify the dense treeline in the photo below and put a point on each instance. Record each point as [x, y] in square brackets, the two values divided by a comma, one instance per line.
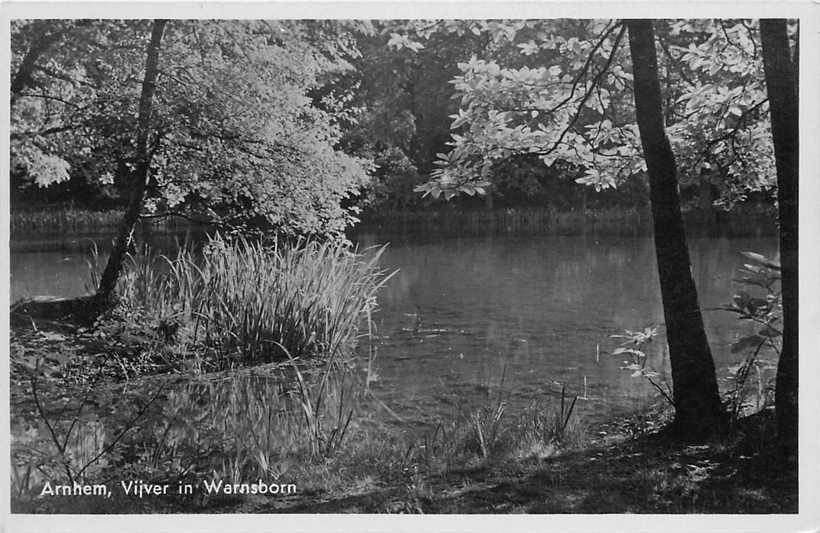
[383, 95]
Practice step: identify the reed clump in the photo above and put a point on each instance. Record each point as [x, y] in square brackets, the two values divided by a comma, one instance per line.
[257, 302]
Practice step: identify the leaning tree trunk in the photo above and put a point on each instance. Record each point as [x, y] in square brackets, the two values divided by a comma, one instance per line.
[698, 410]
[138, 178]
[782, 89]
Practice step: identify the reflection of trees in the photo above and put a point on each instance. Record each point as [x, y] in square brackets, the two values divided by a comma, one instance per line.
[536, 287]
[562, 295]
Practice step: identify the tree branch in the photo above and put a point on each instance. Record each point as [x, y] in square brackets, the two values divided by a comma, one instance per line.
[588, 93]
[587, 64]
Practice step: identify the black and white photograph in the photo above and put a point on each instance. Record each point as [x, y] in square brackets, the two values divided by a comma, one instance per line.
[497, 263]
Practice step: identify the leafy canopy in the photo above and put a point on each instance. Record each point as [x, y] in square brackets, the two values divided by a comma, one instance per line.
[237, 132]
[561, 90]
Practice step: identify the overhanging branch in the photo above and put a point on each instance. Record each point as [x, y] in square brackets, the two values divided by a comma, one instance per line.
[589, 91]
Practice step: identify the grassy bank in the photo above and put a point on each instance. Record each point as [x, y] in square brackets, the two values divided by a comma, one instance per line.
[67, 219]
[322, 433]
[95, 411]
[319, 430]
[742, 221]
[512, 220]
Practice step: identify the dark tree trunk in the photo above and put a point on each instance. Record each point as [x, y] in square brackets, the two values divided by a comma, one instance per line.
[782, 89]
[698, 410]
[138, 178]
[46, 37]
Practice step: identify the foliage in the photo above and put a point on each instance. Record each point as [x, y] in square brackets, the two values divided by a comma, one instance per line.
[552, 428]
[561, 90]
[633, 347]
[496, 430]
[234, 428]
[219, 427]
[236, 134]
[393, 185]
[402, 98]
[254, 118]
[762, 348]
[720, 106]
[254, 424]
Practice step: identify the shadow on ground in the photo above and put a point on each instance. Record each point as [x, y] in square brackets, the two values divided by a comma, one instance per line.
[741, 474]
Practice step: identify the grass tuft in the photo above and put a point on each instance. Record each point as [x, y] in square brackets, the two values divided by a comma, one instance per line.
[254, 303]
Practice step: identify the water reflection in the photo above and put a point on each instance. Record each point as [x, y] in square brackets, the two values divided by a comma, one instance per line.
[538, 310]
[463, 312]
[57, 264]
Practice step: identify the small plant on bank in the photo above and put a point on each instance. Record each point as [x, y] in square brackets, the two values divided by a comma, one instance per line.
[547, 427]
[558, 429]
[633, 347]
[487, 424]
[759, 304]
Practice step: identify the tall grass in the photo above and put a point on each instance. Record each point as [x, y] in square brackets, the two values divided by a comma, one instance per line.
[259, 302]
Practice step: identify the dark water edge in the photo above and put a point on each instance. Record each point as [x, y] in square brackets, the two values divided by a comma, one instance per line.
[755, 221]
[747, 221]
[160, 239]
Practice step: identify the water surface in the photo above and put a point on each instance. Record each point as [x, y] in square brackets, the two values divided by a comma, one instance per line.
[539, 311]
[466, 319]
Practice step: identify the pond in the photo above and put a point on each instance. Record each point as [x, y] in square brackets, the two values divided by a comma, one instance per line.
[466, 318]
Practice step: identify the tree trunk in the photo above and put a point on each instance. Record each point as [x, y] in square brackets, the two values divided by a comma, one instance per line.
[698, 410]
[138, 177]
[47, 36]
[782, 89]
